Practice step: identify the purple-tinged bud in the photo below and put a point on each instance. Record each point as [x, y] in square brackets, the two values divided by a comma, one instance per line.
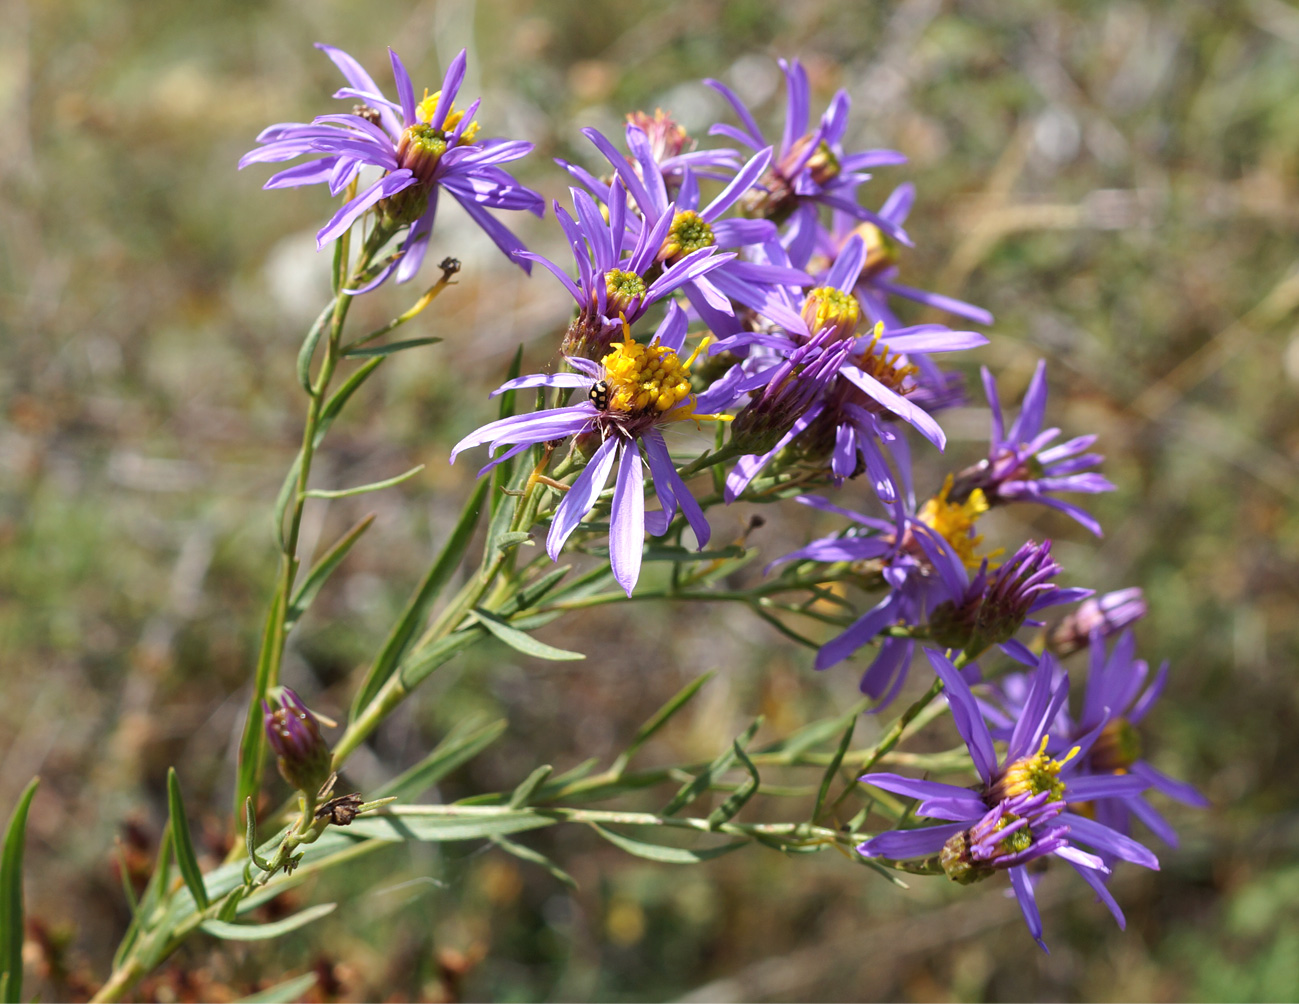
[995, 605]
[799, 381]
[667, 138]
[828, 307]
[302, 754]
[1104, 615]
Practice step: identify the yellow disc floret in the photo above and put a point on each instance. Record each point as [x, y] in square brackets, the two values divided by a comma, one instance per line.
[689, 232]
[827, 307]
[883, 364]
[1031, 775]
[427, 108]
[954, 521]
[646, 378]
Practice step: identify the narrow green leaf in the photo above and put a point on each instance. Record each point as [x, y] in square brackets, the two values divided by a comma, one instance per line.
[158, 883]
[419, 605]
[186, 860]
[512, 475]
[321, 571]
[507, 399]
[123, 873]
[693, 789]
[250, 836]
[472, 825]
[376, 486]
[252, 744]
[421, 663]
[576, 774]
[387, 350]
[520, 796]
[584, 585]
[735, 802]
[667, 855]
[536, 858]
[457, 748]
[522, 642]
[828, 778]
[784, 629]
[285, 496]
[340, 397]
[11, 896]
[658, 720]
[309, 347]
[283, 993]
[512, 539]
[264, 932]
[230, 905]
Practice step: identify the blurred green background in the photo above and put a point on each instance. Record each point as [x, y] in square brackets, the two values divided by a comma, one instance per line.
[1115, 181]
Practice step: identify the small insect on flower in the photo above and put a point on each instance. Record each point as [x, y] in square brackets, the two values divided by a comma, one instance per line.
[599, 395]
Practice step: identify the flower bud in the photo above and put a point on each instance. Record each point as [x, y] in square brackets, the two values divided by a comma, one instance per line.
[1106, 615]
[827, 307]
[301, 753]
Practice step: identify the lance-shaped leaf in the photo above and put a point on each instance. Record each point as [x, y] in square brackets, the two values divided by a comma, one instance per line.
[11, 897]
[419, 605]
[693, 789]
[264, 932]
[468, 823]
[369, 351]
[833, 768]
[422, 662]
[735, 802]
[186, 859]
[375, 486]
[457, 748]
[523, 793]
[666, 855]
[536, 858]
[283, 993]
[660, 718]
[158, 883]
[321, 571]
[523, 642]
[250, 837]
[309, 347]
[508, 482]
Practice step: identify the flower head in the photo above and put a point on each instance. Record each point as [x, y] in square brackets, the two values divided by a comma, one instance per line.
[301, 753]
[1027, 775]
[633, 391]
[1022, 466]
[422, 147]
[1104, 615]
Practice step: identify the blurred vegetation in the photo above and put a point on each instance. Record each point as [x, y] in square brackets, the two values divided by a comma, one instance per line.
[1115, 181]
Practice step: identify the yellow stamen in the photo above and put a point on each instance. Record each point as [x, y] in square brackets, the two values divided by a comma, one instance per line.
[428, 107]
[1032, 775]
[885, 366]
[954, 522]
[651, 379]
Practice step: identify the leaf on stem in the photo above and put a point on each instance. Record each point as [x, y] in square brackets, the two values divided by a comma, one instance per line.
[693, 789]
[369, 351]
[736, 801]
[283, 993]
[399, 825]
[309, 347]
[417, 609]
[250, 836]
[457, 748]
[264, 932]
[377, 486]
[321, 571]
[661, 853]
[186, 860]
[523, 793]
[833, 768]
[536, 858]
[11, 898]
[521, 641]
[660, 718]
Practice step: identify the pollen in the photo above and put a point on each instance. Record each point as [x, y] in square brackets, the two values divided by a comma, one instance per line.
[689, 232]
[954, 521]
[646, 379]
[428, 107]
[1031, 775]
[884, 365]
[827, 307]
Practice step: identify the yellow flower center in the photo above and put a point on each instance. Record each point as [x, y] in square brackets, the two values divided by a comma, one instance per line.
[827, 307]
[884, 365]
[1031, 775]
[647, 378]
[954, 521]
[427, 108]
[881, 252]
[689, 232]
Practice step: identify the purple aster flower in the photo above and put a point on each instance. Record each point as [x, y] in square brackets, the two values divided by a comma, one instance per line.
[671, 154]
[817, 248]
[995, 604]
[849, 422]
[1022, 466]
[301, 753]
[1116, 701]
[422, 147]
[693, 227]
[810, 168]
[611, 289]
[1026, 770]
[633, 391]
[1106, 615]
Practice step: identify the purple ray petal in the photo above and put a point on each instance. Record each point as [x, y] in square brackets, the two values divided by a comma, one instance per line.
[582, 495]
